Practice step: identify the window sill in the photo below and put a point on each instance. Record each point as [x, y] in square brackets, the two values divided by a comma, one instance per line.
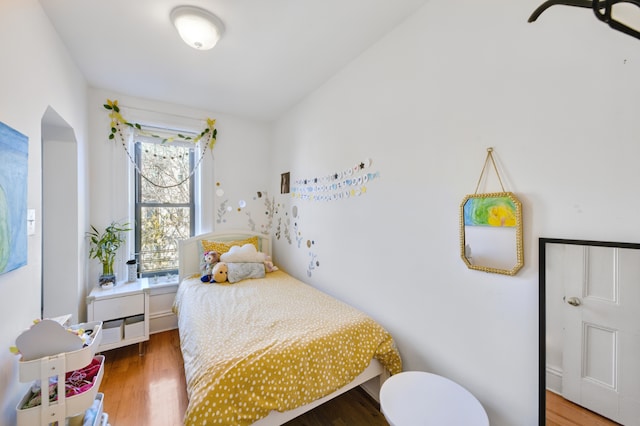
[163, 281]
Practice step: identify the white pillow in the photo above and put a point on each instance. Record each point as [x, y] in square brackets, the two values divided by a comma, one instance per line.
[243, 254]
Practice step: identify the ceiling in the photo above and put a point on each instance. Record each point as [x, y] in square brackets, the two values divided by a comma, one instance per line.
[272, 54]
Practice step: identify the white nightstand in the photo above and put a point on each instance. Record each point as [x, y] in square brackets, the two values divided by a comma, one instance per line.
[124, 312]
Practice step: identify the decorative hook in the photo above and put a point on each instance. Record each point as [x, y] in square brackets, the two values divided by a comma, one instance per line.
[588, 4]
[601, 8]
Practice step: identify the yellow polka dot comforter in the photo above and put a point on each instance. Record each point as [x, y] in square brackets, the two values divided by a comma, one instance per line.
[272, 343]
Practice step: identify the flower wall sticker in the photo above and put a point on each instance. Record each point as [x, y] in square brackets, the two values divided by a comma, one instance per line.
[298, 234]
[223, 209]
[313, 263]
[282, 228]
[269, 212]
[282, 231]
[247, 208]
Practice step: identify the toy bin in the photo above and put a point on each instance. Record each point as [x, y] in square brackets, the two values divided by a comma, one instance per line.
[112, 331]
[72, 406]
[134, 327]
[52, 356]
[92, 417]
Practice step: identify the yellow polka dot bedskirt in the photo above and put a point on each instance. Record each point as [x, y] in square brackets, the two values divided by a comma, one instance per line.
[267, 344]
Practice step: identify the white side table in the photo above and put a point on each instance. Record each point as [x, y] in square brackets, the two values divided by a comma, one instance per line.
[124, 311]
[416, 398]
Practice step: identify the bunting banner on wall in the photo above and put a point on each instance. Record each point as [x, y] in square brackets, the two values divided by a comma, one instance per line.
[339, 185]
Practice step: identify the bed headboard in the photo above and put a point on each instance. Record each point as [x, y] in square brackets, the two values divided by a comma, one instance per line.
[189, 250]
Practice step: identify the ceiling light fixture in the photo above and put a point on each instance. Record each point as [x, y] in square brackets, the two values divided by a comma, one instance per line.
[198, 28]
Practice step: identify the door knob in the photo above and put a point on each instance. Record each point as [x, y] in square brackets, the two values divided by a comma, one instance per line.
[574, 301]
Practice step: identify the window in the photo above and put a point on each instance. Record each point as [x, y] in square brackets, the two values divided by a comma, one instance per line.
[164, 202]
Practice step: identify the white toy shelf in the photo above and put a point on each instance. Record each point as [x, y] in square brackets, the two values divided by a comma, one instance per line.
[49, 350]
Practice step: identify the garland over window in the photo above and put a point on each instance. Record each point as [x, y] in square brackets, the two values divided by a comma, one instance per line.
[206, 138]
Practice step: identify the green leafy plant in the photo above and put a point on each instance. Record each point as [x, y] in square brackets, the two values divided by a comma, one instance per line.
[104, 245]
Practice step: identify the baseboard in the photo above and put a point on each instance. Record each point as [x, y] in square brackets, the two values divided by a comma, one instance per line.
[162, 322]
[553, 379]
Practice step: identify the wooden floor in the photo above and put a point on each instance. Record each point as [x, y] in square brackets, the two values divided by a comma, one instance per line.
[561, 412]
[151, 390]
[148, 389]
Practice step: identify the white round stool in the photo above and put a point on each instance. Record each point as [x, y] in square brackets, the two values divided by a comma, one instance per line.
[416, 398]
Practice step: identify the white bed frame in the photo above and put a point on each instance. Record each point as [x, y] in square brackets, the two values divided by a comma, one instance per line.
[189, 249]
[189, 264]
[375, 369]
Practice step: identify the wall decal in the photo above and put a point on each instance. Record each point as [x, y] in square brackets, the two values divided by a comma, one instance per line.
[269, 211]
[297, 234]
[224, 206]
[14, 151]
[313, 263]
[287, 233]
[246, 207]
[338, 185]
[223, 209]
[288, 225]
[283, 228]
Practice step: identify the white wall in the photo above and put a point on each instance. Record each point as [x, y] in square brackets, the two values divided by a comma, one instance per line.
[61, 276]
[557, 99]
[36, 73]
[237, 165]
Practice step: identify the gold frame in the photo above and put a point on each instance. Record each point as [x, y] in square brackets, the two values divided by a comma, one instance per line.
[519, 244]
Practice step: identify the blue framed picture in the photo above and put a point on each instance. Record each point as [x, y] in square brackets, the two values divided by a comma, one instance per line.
[14, 152]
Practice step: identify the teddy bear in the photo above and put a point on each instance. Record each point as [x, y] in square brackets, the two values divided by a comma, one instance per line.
[210, 258]
[268, 264]
[219, 273]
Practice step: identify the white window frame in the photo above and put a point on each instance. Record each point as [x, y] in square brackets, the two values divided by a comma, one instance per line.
[196, 179]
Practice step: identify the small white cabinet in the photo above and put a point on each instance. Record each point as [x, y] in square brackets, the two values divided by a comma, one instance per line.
[124, 311]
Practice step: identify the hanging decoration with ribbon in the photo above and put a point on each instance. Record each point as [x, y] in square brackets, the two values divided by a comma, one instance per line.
[206, 139]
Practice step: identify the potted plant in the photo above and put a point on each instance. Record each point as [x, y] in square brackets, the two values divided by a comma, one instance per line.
[104, 245]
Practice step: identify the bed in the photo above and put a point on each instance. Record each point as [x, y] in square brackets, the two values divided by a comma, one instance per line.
[266, 349]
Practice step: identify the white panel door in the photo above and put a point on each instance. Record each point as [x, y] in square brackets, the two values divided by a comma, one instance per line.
[601, 355]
